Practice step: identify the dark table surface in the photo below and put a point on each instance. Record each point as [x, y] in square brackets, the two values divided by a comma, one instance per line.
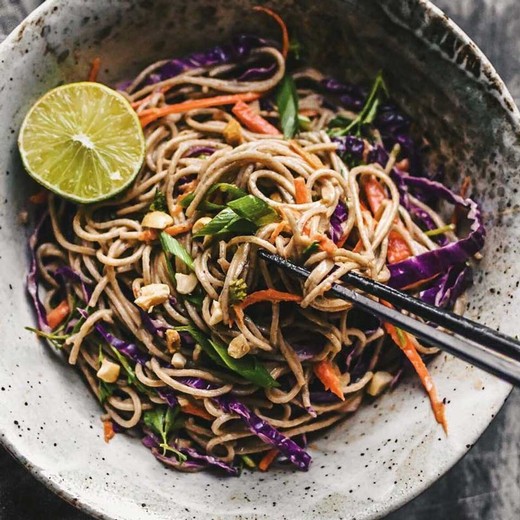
[485, 484]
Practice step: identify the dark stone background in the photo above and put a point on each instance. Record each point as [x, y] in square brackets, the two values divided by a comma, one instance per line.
[485, 484]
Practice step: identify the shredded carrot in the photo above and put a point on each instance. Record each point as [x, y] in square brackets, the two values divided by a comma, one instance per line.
[140, 102]
[151, 114]
[178, 229]
[310, 158]
[410, 351]
[418, 284]
[252, 120]
[358, 247]
[398, 248]
[58, 314]
[269, 295]
[327, 373]
[325, 243]
[108, 431]
[191, 409]
[148, 235]
[277, 230]
[281, 23]
[176, 210]
[189, 187]
[464, 188]
[301, 193]
[267, 459]
[39, 198]
[403, 165]
[375, 194]
[94, 69]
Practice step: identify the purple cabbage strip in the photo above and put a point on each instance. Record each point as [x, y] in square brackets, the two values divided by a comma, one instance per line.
[267, 433]
[198, 460]
[126, 348]
[431, 263]
[239, 48]
[67, 273]
[32, 277]
[155, 327]
[336, 220]
[300, 458]
[168, 395]
[350, 96]
[200, 150]
[258, 73]
[448, 287]
[350, 144]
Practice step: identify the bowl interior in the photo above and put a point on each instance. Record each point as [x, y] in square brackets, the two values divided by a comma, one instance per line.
[388, 451]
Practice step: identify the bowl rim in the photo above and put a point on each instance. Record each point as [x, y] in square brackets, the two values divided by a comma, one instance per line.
[510, 108]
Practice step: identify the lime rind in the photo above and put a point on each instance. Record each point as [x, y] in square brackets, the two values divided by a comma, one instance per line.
[82, 141]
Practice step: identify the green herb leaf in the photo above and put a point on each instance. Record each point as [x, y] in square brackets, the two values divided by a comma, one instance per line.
[254, 209]
[440, 230]
[248, 461]
[369, 110]
[230, 190]
[159, 201]
[248, 367]
[196, 298]
[172, 246]
[304, 122]
[105, 391]
[162, 421]
[311, 249]
[287, 102]
[237, 290]
[227, 221]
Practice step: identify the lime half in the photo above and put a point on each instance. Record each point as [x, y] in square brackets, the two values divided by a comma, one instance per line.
[82, 141]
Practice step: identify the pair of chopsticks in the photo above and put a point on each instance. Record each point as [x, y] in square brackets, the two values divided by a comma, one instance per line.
[473, 342]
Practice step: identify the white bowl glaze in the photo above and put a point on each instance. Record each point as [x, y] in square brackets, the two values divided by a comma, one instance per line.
[387, 452]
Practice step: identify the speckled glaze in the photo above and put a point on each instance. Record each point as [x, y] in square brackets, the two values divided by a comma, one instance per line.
[387, 452]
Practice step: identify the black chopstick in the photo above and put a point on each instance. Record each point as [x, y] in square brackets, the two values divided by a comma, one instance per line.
[499, 354]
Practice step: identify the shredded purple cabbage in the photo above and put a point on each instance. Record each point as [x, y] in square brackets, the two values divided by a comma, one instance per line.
[259, 427]
[448, 287]
[32, 277]
[67, 273]
[351, 96]
[239, 48]
[168, 395]
[350, 144]
[431, 263]
[195, 460]
[126, 348]
[300, 458]
[200, 150]
[336, 220]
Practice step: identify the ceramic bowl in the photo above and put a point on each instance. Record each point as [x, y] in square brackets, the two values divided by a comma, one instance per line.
[386, 453]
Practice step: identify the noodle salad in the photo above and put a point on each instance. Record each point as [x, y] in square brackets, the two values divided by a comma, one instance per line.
[157, 294]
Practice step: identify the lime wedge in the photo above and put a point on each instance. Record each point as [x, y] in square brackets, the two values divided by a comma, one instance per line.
[82, 141]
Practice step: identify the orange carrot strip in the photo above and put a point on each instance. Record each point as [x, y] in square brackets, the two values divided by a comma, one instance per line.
[281, 23]
[269, 295]
[58, 314]
[325, 243]
[39, 198]
[191, 409]
[410, 351]
[94, 69]
[375, 194]
[327, 373]
[108, 431]
[403, 165]
[151, 114]
[466, 183]
[398, 248]
[189, 187]
[140, 102]
[148, 235]
[358, 247]
[178, 229]
[277, 230]
[267, 460]
[177, 210]
[301, 193]
[252, 120]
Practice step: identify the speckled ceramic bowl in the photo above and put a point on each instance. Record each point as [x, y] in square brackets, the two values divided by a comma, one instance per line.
[386, 453]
